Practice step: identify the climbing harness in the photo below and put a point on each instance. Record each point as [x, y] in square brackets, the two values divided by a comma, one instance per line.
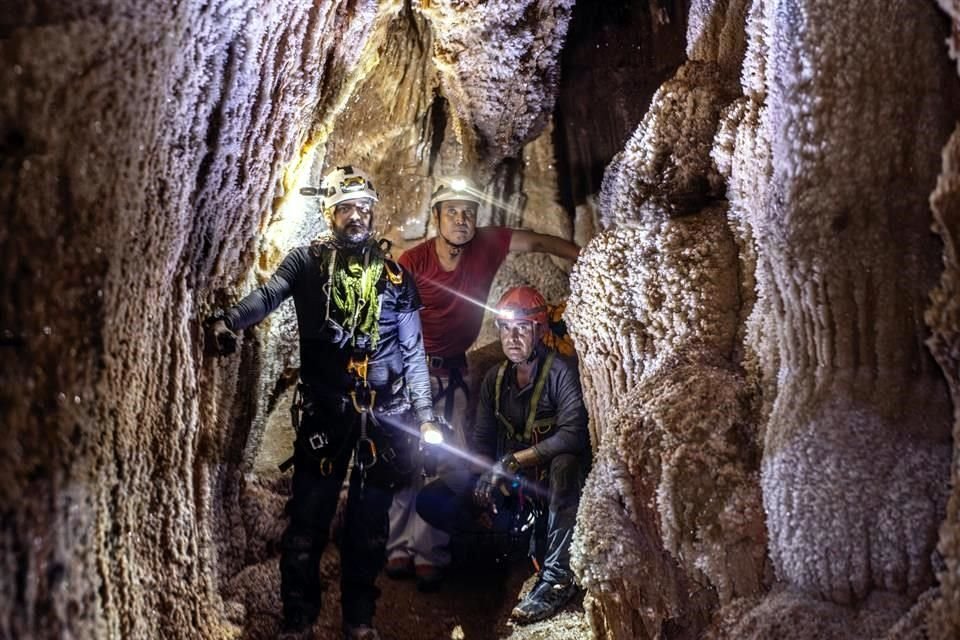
[361, 396]
[533, 428]
[455, 381]
[317, 441]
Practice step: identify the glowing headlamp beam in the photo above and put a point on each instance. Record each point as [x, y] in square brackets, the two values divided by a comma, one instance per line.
[465, 297]
[479, 464]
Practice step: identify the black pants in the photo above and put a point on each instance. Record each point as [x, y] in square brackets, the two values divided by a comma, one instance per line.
[447, 503]
[317, 480]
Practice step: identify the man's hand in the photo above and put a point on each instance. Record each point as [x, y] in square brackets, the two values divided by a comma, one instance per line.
[224, 339]
[430, 433]
[483, 493]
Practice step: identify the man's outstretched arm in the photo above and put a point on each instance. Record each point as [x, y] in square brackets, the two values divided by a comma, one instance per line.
[256, 305]
[525, 241]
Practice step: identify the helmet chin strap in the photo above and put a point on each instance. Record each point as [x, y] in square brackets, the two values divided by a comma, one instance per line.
[534, 353]
[454, 248]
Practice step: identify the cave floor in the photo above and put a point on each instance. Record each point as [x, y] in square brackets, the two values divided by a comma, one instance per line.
[471, 605]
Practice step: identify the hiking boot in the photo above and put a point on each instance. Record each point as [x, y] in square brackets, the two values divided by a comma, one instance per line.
[399, 568]
[429, 578]
[544, 600]
[360, 632]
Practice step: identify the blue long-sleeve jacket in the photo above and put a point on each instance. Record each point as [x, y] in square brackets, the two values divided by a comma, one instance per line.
[323, 364]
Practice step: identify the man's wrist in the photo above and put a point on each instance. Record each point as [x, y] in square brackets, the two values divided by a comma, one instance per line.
[220, 315]
[527, 457]
[424, 415]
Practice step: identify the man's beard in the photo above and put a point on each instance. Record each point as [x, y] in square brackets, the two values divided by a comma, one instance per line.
[352, 237]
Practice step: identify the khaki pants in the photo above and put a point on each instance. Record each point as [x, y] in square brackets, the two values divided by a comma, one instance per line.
[410, 536]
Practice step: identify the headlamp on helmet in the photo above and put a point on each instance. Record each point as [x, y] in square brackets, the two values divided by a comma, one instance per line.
[343, 183]
[456, 188]
[522, 303]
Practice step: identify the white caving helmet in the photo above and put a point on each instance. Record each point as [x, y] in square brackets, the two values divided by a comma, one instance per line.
[456, 188]
[345, 183]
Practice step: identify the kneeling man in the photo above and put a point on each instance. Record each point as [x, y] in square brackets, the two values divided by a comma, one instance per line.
[530, 420]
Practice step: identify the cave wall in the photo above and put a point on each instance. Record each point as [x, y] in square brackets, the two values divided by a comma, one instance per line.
[622, 51]
[655, 310]
[943, 316]
[142, 149]
[815, 141]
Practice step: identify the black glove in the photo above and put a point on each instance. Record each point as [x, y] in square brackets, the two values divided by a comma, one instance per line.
[483, 493]
[224, 339]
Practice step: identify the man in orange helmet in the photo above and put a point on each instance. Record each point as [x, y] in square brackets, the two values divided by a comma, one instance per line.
[531, 420]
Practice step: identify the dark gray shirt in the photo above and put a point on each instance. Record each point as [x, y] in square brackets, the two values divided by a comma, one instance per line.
[562, 398]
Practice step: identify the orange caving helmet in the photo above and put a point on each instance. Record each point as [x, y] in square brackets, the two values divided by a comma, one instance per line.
[523, 303]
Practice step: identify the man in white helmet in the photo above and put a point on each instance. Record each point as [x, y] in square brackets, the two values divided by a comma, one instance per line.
[454, 272]
[364, 387]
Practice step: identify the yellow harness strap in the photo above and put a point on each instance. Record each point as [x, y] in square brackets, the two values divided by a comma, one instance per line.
[532, 426]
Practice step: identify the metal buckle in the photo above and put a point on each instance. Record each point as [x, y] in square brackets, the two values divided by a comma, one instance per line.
[435, 362]
[359, 367]
[318, 441]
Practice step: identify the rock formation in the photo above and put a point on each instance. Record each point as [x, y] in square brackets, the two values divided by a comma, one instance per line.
[823, 167]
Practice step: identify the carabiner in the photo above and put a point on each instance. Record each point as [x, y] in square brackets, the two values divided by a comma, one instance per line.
[369, 407]
[326, 466]
[396, 277]
[366, 463]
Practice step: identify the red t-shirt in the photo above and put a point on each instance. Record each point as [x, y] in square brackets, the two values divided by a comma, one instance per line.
[450, 322]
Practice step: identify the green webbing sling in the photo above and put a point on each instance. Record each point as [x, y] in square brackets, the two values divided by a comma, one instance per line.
[354, 293]
[532, 425]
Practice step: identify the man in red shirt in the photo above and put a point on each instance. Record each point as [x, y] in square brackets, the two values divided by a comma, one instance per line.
[454, 272]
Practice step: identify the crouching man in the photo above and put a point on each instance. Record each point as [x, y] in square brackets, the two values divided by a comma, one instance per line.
[530, 420]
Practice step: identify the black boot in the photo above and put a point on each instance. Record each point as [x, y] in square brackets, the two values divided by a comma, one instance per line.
[544, 600]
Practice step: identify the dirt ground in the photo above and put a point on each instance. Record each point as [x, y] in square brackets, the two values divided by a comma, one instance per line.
[472, 604]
